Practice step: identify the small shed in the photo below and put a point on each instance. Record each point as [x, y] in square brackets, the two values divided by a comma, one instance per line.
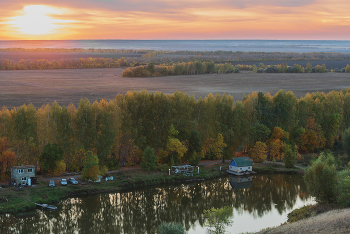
[23, 174]
[243, 164]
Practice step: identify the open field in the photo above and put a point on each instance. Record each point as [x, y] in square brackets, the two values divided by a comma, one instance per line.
[70, 85]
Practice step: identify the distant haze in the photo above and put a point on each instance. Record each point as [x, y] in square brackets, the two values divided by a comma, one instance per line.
[298, 46]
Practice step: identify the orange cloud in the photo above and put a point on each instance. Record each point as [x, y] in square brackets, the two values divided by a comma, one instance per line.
[190, 19]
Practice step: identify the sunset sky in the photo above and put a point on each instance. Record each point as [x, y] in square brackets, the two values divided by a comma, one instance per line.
[175, 19]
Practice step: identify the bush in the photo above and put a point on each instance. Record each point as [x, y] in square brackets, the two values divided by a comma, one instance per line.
[321, 179]
[171, 228]
[163, 167]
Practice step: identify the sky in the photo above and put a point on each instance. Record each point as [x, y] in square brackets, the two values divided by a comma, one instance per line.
[174, 19]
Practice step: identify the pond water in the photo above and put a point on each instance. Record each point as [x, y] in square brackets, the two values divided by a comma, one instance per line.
[258, 202]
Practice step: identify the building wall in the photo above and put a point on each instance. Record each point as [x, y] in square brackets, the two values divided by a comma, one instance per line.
[15, 175]
[247, 168]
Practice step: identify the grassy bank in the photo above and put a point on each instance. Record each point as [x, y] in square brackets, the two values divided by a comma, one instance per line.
[275, 169]
[24, 199]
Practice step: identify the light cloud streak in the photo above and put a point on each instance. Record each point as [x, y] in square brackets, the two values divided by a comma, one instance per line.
[184, 19]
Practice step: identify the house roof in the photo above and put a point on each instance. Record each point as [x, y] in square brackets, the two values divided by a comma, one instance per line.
[243, 162]
[24, 167]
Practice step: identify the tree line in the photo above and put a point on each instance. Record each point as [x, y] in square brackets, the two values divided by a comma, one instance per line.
[29, 64]
[202, 67]
[177, 127]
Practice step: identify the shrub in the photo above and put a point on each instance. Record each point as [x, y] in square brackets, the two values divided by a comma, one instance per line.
[171, 228]
[163, 167]
[321, 179]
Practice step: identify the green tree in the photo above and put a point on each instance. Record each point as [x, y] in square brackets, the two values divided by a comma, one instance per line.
[218, 218]
[321, 178]
[171, 228]
[49, 157]
[149, 160]
[84, 125]
[346, 141]
[308, 68]
[289, 156]
[91, 167]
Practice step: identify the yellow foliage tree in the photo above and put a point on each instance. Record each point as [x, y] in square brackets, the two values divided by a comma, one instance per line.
[60, 167]
[258, 152]
[276, 149]
[176, 149]
[218, 147]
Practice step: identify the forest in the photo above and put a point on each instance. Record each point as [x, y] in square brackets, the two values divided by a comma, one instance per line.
[179, 128]
[198, 67]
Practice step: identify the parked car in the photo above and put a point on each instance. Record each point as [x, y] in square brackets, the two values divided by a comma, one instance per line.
[52, 183]
[72, 181]
[63, 182]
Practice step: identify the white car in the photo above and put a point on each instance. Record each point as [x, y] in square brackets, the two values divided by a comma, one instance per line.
[72, 181]
[52, 183]
[63, 182]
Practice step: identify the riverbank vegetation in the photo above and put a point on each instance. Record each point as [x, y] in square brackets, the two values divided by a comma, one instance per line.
[179, 128]
[24, 199]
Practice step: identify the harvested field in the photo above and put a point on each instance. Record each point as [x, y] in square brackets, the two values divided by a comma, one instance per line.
[70, 85]
[332, 222]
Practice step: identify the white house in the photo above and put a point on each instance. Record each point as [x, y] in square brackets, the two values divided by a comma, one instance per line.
[22, 174]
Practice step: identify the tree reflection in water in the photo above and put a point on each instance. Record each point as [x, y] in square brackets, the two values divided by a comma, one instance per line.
[142, 210]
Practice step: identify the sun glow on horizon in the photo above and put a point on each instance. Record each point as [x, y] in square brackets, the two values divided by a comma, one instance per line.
[38, 20]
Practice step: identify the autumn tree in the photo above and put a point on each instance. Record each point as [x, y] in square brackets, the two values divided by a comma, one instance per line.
[258, 152]
[7, 159]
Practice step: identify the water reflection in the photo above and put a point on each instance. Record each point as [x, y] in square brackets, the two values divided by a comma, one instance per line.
[142, 210]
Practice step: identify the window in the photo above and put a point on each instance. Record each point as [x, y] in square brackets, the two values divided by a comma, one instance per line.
[240, 168]
[20, 171]
[248, 167]
[30, 170]
[24, 178]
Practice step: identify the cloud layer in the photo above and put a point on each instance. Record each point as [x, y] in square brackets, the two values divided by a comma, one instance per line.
[184, 19]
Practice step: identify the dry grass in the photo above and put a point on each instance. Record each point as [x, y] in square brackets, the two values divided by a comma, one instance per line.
[337, 221]
[70, 85]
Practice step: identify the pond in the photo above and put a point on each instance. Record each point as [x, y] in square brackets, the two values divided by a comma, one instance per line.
[258, 202]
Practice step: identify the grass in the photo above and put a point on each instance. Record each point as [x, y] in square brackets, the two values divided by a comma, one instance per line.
[25, 199]
[275, 168]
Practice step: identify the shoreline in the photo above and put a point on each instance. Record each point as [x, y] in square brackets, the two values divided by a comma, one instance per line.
[23, 200]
